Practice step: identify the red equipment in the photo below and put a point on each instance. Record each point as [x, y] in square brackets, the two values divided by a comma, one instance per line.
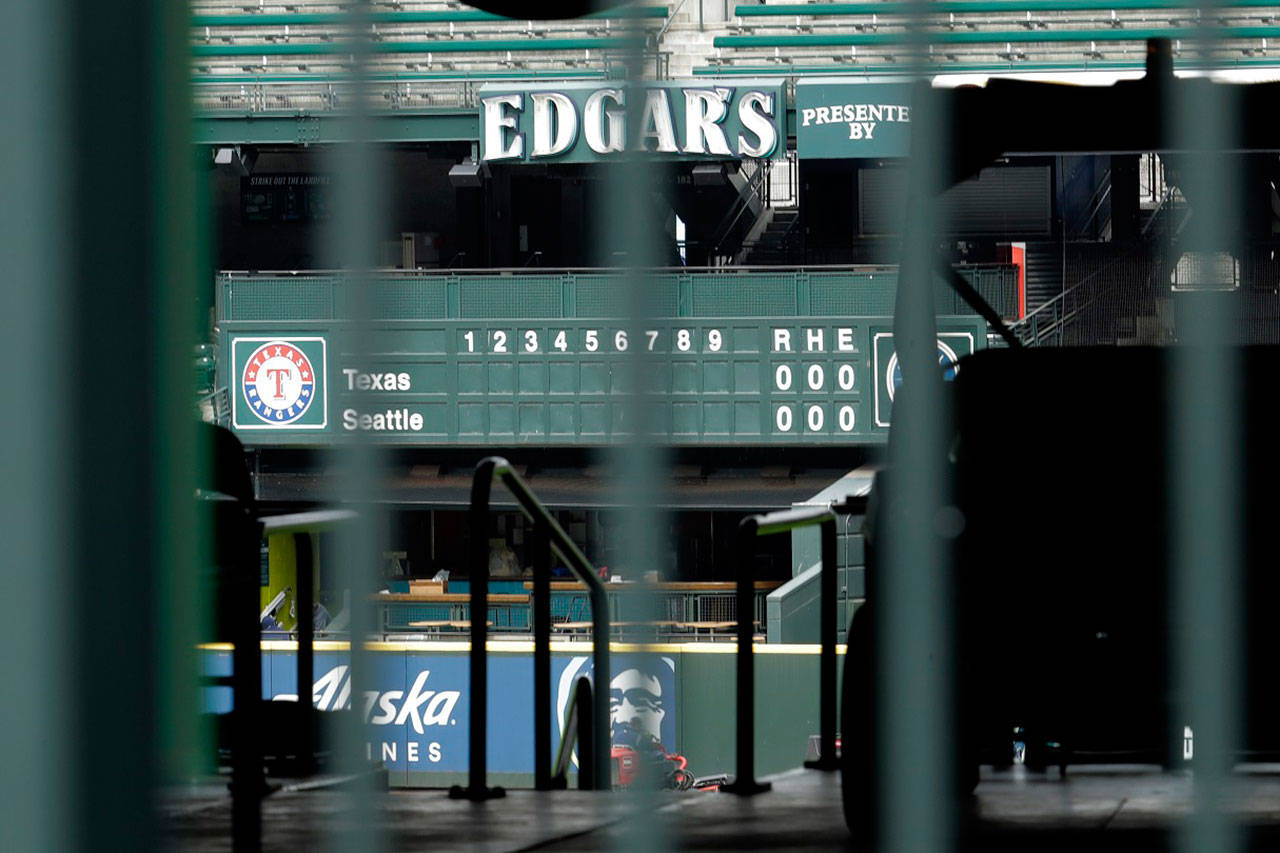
[649, 764]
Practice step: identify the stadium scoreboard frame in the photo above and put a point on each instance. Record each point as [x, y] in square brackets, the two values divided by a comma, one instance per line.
[564, 381]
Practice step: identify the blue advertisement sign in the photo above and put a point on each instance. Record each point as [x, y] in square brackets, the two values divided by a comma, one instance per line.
[416, 705]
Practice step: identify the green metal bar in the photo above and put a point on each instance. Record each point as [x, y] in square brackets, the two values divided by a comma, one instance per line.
[35, 717]
[443, 46]
[386, 127]
[1206, 432]
[407, 77]
[913, 706]
[115, 412]
[988, 37]
[349, 241]
[941, 67]
[311, 19]
[813, 10]
[181, 259]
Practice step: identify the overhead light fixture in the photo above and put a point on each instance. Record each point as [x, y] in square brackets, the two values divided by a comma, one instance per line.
[238, 158]
[709, 175]
[468, 173]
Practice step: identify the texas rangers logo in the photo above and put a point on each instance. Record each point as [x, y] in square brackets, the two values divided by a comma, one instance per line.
[279, 382]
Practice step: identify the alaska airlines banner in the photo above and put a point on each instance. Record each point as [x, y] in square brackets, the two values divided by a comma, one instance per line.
[416, 705]
[589, 122]
[837, 120]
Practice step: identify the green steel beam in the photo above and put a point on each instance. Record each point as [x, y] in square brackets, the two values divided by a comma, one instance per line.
[806, 10]
[37, 621]
[303, 19]
[460, 77]
[941, 67]
[1012, 36]
[445, 126]
[441, 46]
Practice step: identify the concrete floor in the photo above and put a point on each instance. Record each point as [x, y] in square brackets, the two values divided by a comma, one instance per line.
[1096, 809]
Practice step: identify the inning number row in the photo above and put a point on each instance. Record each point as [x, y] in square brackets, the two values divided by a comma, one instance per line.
[502, 342]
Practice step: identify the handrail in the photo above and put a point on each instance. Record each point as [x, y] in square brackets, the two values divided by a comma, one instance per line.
[342, 48]
[940, 66]
[578, 724]
[806, 10]
[749, 530]
[1099, 197]
[450, 16]
[549, 534]
[516, 272]
[241, 529]
[671, 17]
[948, 37]
[740, 206]
[1056, 310]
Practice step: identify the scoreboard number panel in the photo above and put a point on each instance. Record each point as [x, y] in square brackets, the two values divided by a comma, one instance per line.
[556, 382]
[502, 341]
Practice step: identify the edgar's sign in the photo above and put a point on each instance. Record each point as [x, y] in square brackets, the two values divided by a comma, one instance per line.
[582, 123]
[840, 120]
[279, 383]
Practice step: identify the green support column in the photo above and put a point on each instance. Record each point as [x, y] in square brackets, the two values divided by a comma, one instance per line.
[40, 380]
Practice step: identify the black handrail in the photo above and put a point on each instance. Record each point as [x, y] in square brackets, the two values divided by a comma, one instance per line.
[740, 206]
[239, 531]
[749, 530]
[547, 531]
[578, 727]
[301, 525]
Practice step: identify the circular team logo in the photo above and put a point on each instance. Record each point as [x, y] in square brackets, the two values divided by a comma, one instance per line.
[946, 360]
[279, 382]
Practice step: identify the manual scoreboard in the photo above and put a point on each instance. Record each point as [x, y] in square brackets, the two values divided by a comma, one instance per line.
[558, 382]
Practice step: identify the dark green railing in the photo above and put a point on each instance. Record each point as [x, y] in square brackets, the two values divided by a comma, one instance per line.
[444, 16]
[513, 294]
[959, 37]
[945, 7]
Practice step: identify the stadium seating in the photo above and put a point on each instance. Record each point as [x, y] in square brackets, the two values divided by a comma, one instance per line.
[234, 38]
[984, 34]
[296, 55]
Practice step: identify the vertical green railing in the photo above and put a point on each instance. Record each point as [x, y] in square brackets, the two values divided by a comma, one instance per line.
[1206, 430]
[915, 737]
[350, 243]
[35, 624]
